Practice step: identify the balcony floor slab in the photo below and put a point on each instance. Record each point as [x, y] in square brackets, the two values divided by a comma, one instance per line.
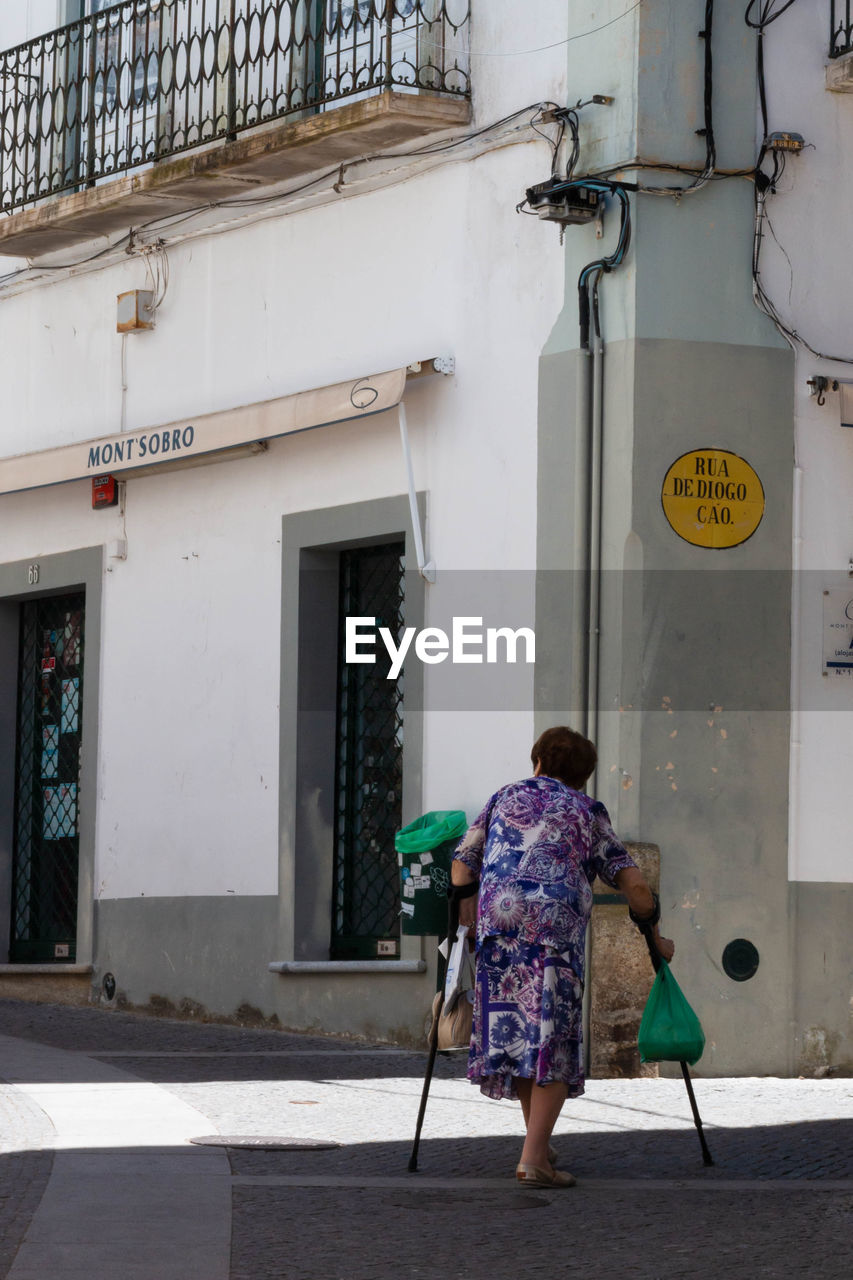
[268, 155]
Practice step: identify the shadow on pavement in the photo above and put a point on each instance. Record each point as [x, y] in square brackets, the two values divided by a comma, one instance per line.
[812, 1150]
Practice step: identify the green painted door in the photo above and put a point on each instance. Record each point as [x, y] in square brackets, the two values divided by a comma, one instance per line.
[369, 762]
[47, 780]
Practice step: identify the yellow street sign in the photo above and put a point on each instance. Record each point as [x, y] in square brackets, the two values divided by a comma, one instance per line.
[712, 498]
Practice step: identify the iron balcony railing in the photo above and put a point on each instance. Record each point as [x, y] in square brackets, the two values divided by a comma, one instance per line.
[841, 29]
[146, 79]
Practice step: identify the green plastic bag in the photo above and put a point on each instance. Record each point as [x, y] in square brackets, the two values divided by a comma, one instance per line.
[670, 1030]
[429, 831]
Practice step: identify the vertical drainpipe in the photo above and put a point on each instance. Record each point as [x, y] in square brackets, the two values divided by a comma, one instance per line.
[581, 584]
[590, 419]
[589, 508]
[596, 449]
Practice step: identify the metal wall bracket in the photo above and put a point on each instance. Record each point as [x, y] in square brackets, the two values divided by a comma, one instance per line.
[818, 386]
[426, 568]
[424, 368]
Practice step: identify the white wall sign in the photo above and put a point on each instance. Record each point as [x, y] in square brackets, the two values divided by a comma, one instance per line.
[193, 437]
[838, 632]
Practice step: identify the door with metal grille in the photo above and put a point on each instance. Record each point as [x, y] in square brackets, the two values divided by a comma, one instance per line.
[369, 763]
[47, 779]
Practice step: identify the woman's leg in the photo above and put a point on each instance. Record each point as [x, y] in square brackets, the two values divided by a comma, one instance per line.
[545, 1102]
[523, 1088]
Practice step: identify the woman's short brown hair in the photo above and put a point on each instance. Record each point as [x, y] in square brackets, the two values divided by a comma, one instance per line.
[564, 754]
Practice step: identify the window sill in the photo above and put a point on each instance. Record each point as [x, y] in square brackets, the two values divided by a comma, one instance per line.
[55, 970]
[347, 966]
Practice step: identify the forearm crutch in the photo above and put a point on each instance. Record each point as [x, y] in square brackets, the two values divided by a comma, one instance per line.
[646, 928]
[454, 895]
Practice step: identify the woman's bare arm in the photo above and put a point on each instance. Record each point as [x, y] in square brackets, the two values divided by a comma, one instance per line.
[632, 882]
[460, 874]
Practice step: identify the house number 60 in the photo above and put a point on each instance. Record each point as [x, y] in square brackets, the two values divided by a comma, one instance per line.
[33, 574]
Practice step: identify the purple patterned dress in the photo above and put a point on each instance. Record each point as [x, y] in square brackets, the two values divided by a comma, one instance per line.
[537, 847]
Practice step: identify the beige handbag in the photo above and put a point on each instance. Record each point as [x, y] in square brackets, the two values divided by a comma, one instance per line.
[457, 1013]
[454, 1027]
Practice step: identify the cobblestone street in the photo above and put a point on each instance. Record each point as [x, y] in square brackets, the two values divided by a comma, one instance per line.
[101, 1107]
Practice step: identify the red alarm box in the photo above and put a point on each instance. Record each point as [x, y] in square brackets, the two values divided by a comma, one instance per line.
[104, 491]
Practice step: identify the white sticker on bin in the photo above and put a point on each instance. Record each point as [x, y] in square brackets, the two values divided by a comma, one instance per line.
[409, 889]
[421, 882]
[407, 908]
[426, 859]
[415, 869]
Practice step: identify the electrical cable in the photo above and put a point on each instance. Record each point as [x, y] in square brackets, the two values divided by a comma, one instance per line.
[588, 307]
[558, 44]
[767, 16]
[763, 299]
[156, 268]
[116, 244]
[707, 172]
[167, 221]
[766, 184]
[556, 143]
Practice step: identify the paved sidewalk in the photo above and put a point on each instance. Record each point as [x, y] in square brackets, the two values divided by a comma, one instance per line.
[122, 1162]
[98, 1177]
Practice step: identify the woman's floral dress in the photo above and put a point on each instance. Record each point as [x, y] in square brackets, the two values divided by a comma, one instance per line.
[537, 847]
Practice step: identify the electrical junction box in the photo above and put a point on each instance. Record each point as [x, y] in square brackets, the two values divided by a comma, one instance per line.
[785, 142]
[104, 492]
[571, 205]
[135, 311]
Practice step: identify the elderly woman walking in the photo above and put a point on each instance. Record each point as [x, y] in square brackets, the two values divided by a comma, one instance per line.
[535, 850]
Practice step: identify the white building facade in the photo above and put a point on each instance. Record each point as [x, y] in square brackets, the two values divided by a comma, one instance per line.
[380, 361]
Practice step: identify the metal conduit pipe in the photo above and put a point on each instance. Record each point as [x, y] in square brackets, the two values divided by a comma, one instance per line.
[580, 576]
[583, 525]
[591, 426]
[590, 471]
[591, 422]
[596, 494]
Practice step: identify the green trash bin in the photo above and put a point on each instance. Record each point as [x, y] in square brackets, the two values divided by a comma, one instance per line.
[424, 852]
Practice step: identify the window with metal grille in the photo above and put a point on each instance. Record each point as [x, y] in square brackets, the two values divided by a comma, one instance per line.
[369, 760]
[47, 777]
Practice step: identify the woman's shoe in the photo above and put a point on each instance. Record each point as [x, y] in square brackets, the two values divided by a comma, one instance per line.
[530, 1175]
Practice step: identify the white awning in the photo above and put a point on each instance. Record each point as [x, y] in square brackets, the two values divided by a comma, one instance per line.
[210, 433]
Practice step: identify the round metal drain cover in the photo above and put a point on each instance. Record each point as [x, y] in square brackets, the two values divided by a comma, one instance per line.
[265, 1144]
